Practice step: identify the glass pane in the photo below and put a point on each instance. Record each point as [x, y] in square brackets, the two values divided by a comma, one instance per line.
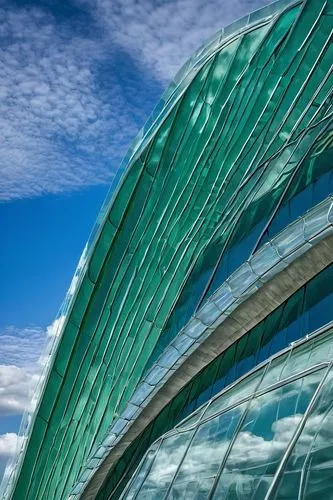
[165, 466]
[201, 463]
[142, 473]
[192, 489]
[309, 470]
[239, 391]
[297, 360]
[305, 311]
[267, 429]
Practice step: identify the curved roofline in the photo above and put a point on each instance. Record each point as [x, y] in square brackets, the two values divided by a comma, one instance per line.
[167, 102]
[258, 286]
[204, 414]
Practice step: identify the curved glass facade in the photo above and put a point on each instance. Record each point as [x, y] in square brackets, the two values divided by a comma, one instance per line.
[308, 309]
[268, 436]
[225, 198]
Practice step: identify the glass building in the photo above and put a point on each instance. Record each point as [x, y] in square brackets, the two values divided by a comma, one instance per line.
[193, 358]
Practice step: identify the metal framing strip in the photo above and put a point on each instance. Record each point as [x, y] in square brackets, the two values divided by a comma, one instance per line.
[253, 291]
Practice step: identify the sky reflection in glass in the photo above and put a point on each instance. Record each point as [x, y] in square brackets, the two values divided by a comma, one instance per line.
[268, 434]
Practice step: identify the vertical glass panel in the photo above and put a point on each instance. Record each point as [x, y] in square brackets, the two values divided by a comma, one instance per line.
[265, 434]
[309, 470]
[281, 410]
[192, 419]
[142, 473]
[196, 475]
[299, 359]
[245, 388]
[305, 311]
[164, 467]
[191, 489]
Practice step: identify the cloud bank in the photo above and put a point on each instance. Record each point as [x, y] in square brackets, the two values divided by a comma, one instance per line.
[59, 129]
[8, 444]
[71, 87]
[20, 367]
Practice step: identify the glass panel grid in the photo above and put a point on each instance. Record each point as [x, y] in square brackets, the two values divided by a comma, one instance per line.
[235, 450]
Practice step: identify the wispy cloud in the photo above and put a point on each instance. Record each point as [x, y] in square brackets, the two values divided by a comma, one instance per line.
[59, 129]
[21, 346]
[68, 107]
[162, 35]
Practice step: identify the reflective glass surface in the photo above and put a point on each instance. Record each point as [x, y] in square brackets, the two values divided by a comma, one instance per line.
[256, 226]
[198, 470]
[308, 469]
[266, 431]
[164, 467]
[247, 116]
[308, 309]
[263, 442]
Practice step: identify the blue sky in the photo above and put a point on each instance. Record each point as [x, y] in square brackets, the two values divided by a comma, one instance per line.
[77, 81]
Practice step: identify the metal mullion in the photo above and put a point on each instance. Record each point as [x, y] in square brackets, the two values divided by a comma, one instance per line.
[178, 148]
[220, 170]
[147, 473]
[195, 430]
[203, 295]
[249, 198]
[268, 389]
[292, 347]
[199, 411]
[277, 476]
[287, 35]
[130, 481]
[131, 261]
[307, 458]
[196, 68]
[138, 354]
[222, 252]
[284, 193]
[236, 432]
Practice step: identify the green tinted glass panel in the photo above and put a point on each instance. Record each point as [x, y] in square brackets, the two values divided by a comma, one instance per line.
[308, 309]
[248, 112]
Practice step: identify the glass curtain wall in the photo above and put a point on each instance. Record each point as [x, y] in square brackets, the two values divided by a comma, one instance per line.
[309, 309]
[270, 434]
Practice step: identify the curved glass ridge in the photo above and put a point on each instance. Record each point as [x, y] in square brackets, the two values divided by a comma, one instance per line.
[268, 436]
[268, 336]
[306, 310]
[239, 145]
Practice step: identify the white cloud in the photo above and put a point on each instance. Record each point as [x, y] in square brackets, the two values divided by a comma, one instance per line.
[55, 328]
[21, 346]
[21, 365]
[9, 443]
[58, 129]
[63, 126]
[163, 35]
[258, 447]
[17, 385]
[24, 355]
